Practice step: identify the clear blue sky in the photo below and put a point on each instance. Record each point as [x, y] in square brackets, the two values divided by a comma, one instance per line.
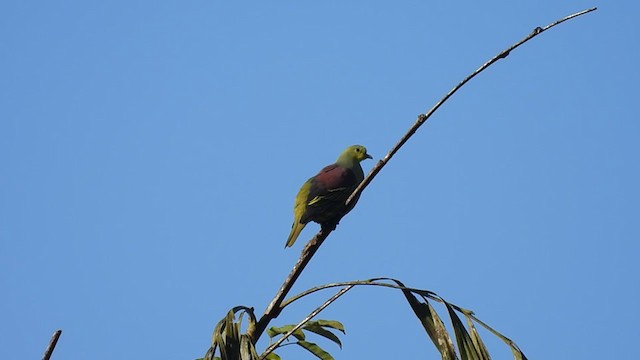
[150, 153]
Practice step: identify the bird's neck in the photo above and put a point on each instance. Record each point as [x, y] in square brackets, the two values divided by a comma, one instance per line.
[353, 164]
[347, 161]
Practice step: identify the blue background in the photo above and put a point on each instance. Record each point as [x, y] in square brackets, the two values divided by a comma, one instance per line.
[150, 153]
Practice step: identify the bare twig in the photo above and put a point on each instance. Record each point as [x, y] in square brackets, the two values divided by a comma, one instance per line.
[305, 320]
[275, 307]
[422, 118]
[426, 294]
[52, 345]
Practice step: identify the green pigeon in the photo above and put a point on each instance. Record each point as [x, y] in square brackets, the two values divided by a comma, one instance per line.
[322, 198]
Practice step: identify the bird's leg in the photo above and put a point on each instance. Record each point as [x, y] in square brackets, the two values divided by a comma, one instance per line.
[329, 226]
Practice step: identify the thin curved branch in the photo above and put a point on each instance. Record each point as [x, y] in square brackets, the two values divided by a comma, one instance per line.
[348, 285]
[370, 282]
[373, 282]
[274, 308]
[422, 118]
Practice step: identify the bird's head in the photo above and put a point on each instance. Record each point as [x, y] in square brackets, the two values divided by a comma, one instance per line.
[354, 153]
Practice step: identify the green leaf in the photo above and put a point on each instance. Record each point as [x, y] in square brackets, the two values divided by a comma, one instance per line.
[445, 344]
[477, 341]
[273, 331]
[324, 332]
[334, 324]
[465, 344]
[517, 353]
[315, 350]
[272, 356]
[218, 339]
[432, 323]
[227, 337]
[252, 318]
[247, 350]
[210, 353]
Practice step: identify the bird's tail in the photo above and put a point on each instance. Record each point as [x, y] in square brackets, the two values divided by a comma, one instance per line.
[296, 228]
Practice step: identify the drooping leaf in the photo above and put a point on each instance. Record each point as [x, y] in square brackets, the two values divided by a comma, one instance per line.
[209, 355]
[432, 324]
[273, 331]
[334, 324]
[221, 335]
[231, 339]
[247, 350]
[272, 356]
[245, 353]
[227, 337]
[228, 322]
[465, 344]
[323, 332]
[216, 337]
[445, 344]
[517, 353]
[252, 318]
[477, 341]
[315, 350]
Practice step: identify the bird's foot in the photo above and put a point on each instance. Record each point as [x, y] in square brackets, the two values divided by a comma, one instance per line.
[329, 226]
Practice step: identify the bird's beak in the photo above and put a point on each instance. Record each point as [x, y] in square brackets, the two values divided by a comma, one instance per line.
[368, 157]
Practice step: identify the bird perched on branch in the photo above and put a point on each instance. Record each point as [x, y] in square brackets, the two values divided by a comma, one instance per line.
[322, 198]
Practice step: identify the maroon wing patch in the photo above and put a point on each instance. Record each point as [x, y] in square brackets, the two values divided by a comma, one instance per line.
[331, 178]
[328, 192]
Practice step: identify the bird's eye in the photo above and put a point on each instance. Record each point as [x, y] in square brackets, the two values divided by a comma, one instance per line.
[357, 150]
